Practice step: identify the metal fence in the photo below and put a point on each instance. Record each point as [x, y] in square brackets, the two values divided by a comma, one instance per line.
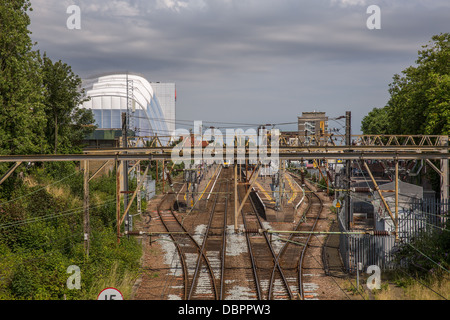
[426, 215]
[149, 187]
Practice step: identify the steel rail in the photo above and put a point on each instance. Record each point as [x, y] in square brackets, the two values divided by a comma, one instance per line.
[272, 251]
[202, 250]
[276, 261]
[288, 242]
[224, 244]
[302, 255]
[181, 253]
[177, 245]
[252, 258]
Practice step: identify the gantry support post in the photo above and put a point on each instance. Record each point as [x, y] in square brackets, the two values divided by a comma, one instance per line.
[348, 169]
[163, 176]
[445, 183]
[138, 179]
[396, 200]
[125, 167]
[235, 198]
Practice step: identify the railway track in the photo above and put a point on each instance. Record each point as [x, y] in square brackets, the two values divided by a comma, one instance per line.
[211, 271]
[292, 254]
[262, 255]
[213, 245]
[194, 261]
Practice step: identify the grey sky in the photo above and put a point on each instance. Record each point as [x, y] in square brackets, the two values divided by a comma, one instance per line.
[249, 61]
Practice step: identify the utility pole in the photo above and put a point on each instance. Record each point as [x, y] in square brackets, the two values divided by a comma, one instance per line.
[282, 172]
[125, 171]
[396, 200]
[236, 205]
[138, 178]
[118, 199]
[348, 168]
[445, 181]
[86, 224]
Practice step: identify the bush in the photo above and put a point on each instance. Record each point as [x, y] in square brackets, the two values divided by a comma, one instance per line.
[42, 236]
[428, 254]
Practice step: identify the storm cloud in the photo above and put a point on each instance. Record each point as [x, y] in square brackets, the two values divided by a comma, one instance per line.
[250, 61]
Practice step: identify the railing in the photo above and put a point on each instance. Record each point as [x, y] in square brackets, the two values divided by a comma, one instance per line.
[425, 216]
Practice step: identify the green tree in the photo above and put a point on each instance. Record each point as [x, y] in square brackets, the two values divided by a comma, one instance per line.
[22, 116]
[376, 122]
[420, 97]
[67, 124]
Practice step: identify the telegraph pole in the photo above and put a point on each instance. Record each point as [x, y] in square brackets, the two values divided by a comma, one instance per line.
[348, 168]
[125, 171]
[86, 224]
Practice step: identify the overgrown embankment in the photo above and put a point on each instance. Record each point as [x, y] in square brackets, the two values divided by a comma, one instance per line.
[41, 235]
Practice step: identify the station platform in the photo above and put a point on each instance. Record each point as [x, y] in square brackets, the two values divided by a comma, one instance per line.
[263, 191]
[287, 210]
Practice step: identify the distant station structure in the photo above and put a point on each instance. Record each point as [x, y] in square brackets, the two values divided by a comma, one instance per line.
[312, 124]
[150, 107]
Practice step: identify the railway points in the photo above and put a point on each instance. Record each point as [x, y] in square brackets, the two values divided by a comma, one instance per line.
[251, 262]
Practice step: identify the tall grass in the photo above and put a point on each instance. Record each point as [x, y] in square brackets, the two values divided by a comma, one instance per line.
[434, 289]
[122, 282]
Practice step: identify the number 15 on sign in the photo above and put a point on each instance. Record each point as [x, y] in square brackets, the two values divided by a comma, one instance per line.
[110, 294]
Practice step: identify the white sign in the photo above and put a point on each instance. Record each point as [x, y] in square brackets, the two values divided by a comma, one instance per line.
[110, 294]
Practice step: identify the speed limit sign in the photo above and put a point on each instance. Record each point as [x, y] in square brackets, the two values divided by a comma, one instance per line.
[110, 294]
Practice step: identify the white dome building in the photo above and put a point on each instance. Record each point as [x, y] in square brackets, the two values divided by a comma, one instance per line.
[109, 100]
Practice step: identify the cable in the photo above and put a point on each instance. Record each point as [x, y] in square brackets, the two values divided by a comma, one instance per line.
[33, 192]
[52, 216]
[427, 257]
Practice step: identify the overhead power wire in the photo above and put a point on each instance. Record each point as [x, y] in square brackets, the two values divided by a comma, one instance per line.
[428, 257]
[33, 192]
[52, 216]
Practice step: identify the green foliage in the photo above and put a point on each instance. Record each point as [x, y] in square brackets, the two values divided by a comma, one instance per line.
[67, 124]
[419, 98]
[41, 235]
[428, 254]
[376, 122]
[39, 99]
[41, 224]
[22, 115]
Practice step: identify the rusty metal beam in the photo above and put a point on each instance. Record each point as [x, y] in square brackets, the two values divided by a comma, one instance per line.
[133, 196]
[248, 191]
[10, 171]
[308, 148]
[434, 167]
[99, 169]
[388, 155]
[377, 188]
[134, 166]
